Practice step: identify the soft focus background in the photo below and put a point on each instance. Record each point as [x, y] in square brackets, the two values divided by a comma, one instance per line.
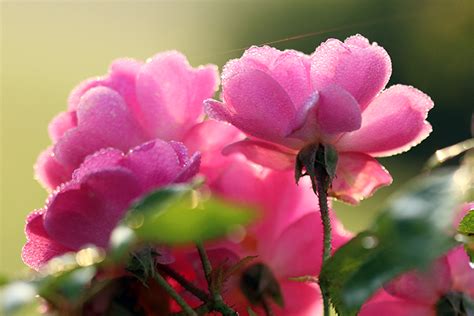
[49, 47]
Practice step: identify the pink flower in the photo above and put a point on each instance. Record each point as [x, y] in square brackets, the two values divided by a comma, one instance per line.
[432, 292]
[289, 226]
[136, 102]
[425, 293]
[286, 100]
[87, 208]
[288, 240]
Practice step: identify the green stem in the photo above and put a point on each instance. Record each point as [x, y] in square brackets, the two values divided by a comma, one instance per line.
[217, 303]
[206, 265]
[169, 289]
[321, 179]
[188, 286]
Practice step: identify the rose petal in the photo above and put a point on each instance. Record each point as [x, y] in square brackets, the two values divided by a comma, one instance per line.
[39, 248]
[462, 272]
[155, 164]
[425, 287]
[337, 111]
[391, 124]
[358, 176]
[355, 65]
[301, 299]
[171, 93]
[103, 121]
[263, 153]
[281, 257]
[63, 122]
[259, 105]
[384, 304]
[87, 213]
[49, 172]
[121, 78]
[108, 158]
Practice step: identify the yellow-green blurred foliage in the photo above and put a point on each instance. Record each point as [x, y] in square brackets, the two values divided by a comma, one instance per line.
[49, 47]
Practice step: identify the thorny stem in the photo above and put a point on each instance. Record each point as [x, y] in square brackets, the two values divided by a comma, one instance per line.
[206, 265]
[216, 303]
[169, 289]
[321, 180]
[191, 288]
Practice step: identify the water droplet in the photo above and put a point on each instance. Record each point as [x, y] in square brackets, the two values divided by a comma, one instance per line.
[471, 265]
[369, 242]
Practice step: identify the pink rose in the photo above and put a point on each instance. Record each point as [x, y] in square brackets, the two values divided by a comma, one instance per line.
[287, 238]
[287, 100]
[428, 293]
[422, 293]
[85, 209]
[136, 102]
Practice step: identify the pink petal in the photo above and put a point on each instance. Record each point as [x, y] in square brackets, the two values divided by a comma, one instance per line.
[155, 164]
[263, 153]
[217, 110]
[87, 213]
[337, 111]
[307, 229]
[190, 169]
[108, 158]
[39, 248]
[384, 304]
[301, 299]
[391, 124]
[289, 68]
[462, 272]
[60, 124]
[355, 65]
[358, 176]
[103, 121]
[425, 287]
[259, 105]
[171, 93]
[49, 172]
[209, 138]
[239, 181]
[281, 257]
[121, 78]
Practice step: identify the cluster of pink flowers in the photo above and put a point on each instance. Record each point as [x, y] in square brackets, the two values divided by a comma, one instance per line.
[143, 126]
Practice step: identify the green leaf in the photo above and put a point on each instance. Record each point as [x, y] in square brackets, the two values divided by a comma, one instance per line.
[16, 297]
[409, 234]
[69, 285]
[466, 226]
[330, 160]
[160, 199]
[179, 217]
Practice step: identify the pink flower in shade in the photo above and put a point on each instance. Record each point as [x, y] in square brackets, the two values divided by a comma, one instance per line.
[288, 236]
[286, 100]
[425, 293]
[134, 103]
[422, 293]
[85, 209]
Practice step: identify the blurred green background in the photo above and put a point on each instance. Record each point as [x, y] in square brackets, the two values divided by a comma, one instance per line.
[49, 47]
